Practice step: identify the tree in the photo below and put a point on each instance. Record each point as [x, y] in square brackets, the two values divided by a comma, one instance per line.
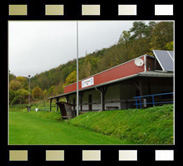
[139, 30]
[50, 91]
[15, 85]
[22, 94]
[124, 38]
[59, 88]
[161, 35]
[169, 46]
[17, 93]
[12, 95]
[37, 93]
[71, 78]
[18, 97]
[45, 93]
[149, 29]
[23, 80]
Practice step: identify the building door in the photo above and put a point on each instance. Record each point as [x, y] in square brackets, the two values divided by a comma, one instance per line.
[90, 102]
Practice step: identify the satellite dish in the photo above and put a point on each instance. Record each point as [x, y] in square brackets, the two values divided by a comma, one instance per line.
[138, 62]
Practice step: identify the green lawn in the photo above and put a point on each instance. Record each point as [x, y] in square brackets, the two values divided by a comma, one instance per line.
[36, 129]
[144, 126]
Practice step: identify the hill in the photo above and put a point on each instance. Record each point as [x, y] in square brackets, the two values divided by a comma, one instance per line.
[139, 40]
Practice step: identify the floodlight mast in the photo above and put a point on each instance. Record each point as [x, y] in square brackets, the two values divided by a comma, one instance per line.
[29, 89]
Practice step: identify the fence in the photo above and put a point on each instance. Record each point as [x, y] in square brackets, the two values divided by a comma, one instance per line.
[41, 108]
[154, 99]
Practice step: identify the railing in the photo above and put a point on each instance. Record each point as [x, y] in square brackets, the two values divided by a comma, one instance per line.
[153, 101]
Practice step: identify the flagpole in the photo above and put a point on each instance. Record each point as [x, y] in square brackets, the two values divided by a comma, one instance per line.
[77, 72]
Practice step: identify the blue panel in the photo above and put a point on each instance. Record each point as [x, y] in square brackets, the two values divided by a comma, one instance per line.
[165, 59]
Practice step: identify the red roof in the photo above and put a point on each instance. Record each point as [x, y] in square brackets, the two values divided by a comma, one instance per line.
[121, 71]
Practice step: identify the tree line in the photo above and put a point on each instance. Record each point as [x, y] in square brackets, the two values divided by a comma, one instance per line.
[141, 39]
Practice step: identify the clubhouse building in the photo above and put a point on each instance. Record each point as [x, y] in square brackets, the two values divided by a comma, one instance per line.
[115, 88]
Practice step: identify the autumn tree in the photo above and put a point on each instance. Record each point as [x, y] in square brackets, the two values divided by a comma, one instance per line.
[161, 35]
[70, 79]
[59, 88]
[19, 96]
[15, 85]
[23, 80]
[169, 46]
[51, 91]
[37, 93]
[12, 95]
[22, 95]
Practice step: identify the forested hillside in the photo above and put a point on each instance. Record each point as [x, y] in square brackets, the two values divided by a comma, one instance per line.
[139, 40]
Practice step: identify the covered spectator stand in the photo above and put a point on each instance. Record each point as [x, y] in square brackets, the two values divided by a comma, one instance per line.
[67, 110]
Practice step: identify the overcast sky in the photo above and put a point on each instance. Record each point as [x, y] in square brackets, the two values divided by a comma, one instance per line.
[35, 47]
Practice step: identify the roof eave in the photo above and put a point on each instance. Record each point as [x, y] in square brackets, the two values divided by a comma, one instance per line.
[141, 74]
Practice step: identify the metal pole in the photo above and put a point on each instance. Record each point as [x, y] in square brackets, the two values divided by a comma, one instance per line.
[153, 100]
[77, 88]
[29, 90]
[136, 103]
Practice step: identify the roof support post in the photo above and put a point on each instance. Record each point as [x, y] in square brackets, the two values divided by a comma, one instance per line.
[50, 104]
[102, 91]
[139, 87]
[101, 99]
[57, 99]
[67, 98]
[81, 100]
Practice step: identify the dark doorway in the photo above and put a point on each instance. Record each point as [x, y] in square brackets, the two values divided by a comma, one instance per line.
[137, 93]
[90, 102]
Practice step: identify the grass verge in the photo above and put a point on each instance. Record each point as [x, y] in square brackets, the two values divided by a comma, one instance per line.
[143, 126]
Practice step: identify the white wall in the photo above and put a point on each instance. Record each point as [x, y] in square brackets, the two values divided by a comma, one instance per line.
[95, 99]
